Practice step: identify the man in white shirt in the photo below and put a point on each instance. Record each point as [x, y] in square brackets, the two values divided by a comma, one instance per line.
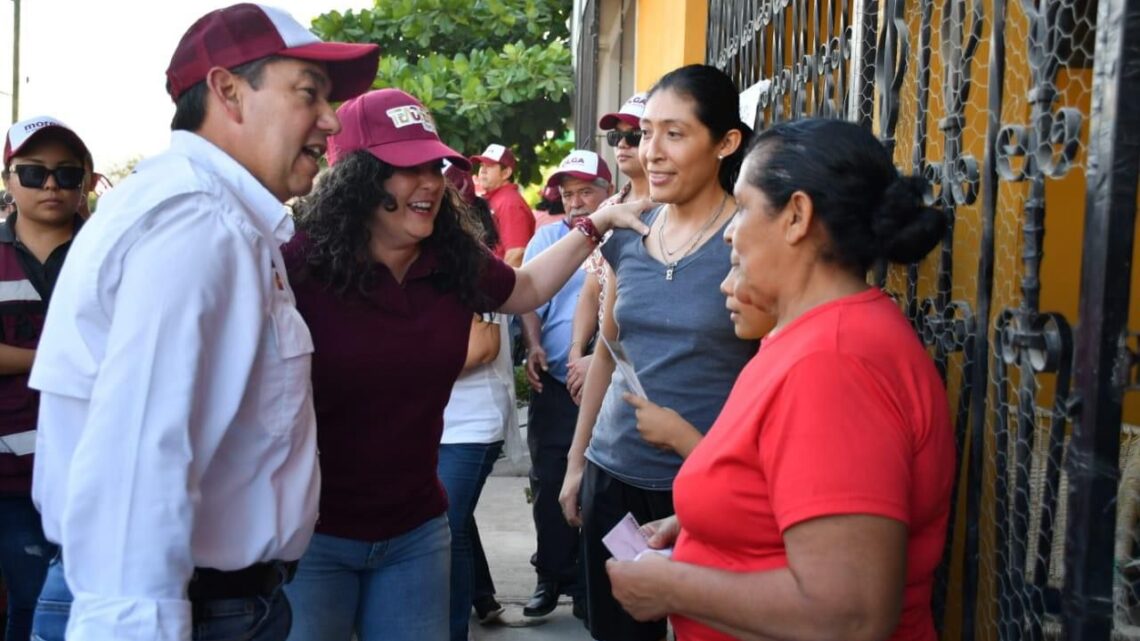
[584, 180]
[176, 457]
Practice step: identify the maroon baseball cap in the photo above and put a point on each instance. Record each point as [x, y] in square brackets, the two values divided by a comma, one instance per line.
[392, 126]
[582, 164]
[461, 180]
[630, 113]
[497, 154]
[246, 32]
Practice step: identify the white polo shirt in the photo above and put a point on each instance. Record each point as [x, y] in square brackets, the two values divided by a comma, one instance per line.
[482, 403]
[176, 420]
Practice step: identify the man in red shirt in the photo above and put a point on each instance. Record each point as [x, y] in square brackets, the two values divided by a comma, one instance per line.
[513, 216]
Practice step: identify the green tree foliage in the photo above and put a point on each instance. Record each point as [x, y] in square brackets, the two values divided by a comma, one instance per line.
[489, 70]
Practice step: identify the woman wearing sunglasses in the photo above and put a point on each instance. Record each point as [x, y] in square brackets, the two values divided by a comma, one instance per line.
[44, 176]
[672, 325]
[623, 133]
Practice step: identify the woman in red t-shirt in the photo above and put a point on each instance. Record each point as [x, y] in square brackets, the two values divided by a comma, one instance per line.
[816, 507]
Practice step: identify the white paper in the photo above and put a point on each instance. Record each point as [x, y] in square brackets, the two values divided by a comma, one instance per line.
[625, 541]
[19, 444]
[750, 102]
[625, 366]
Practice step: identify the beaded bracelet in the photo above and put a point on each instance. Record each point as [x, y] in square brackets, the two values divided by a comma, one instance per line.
[586, 226]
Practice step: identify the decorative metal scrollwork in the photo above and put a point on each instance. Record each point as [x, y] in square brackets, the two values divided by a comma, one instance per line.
[1048, 147]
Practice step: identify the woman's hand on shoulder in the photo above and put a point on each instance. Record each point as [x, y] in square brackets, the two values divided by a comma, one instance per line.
[626, 215]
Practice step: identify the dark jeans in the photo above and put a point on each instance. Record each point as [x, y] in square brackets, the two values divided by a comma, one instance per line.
[550, 430]
[463, 469]
[24, 558]
[266, 618]
[605, 500]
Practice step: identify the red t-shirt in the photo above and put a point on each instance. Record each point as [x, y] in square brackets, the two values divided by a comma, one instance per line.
[842, 412]
[513, 217]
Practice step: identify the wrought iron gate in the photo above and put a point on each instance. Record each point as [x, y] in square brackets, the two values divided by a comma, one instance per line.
[1023, 116]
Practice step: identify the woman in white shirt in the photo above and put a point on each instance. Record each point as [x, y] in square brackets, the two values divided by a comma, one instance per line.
[480, 410]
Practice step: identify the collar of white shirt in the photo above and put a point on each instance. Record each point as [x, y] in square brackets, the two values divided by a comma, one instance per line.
[270, 212]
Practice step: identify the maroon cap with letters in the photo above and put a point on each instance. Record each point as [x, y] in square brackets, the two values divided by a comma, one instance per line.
[394, 127]
[497, 154]
[582, 164]
[630, 113]
[246, 32]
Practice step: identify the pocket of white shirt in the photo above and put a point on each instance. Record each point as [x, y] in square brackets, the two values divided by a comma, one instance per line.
[291, 332]
[286, 390]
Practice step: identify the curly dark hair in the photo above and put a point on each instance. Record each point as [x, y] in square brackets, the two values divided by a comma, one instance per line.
[336, 218]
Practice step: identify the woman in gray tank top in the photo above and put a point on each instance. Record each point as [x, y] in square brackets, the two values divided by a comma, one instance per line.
[664, 307]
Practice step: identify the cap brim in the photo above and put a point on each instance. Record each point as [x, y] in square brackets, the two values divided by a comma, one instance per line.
[554, 179]
[351, 66]
[609, 121]
[409, 153]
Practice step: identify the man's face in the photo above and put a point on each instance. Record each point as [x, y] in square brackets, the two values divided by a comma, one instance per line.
[285, 124]
[492, 175]
[581, 197]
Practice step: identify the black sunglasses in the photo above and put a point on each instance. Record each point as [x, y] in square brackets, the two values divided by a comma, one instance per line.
[632, 137]
[35, 176]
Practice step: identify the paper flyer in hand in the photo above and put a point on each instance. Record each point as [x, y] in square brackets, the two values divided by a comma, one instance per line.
[626, 542]
[625, 366]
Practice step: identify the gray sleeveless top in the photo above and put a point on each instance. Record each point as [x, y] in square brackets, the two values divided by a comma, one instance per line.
[680, 339]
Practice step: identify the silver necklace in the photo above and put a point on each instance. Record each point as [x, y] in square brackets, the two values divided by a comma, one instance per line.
[670, 263]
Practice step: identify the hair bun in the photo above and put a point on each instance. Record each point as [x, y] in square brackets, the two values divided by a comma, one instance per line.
[907, 229]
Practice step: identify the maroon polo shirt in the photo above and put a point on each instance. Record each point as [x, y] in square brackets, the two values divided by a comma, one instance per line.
[383, 368]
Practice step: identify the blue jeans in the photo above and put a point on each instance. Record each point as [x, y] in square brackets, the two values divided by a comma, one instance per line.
[262, 618]
[395, 589]
[463, 468]
[24, 558]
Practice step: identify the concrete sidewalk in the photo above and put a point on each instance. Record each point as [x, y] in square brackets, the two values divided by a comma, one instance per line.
[507, 531]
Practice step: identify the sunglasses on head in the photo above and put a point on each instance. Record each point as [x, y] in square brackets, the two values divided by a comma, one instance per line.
[35, 176]
[631, 137]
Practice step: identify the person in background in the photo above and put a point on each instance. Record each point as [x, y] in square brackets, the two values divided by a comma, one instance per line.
[834, 454]
[389, 276]
[45, 179]
[478, 413]
[550, 209]
[176, 459]
[583, 180]
[513, 217]
[623, 132]
[686, 356]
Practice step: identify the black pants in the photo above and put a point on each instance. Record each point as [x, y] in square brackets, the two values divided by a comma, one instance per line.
[550, 429]
[605, 500]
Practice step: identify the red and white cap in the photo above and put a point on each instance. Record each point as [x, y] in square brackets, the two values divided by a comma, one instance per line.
[630, 113]
[245, 32]
[392, 126]
[21, 132]
[497, 154]
[582, 164]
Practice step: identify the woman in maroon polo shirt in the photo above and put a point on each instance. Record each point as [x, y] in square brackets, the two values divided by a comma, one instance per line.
[387, 273]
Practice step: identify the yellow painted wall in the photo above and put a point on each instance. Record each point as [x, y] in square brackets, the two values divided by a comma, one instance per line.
[670, 34]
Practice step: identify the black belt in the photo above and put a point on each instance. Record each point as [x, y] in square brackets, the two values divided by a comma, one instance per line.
[260, 579]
